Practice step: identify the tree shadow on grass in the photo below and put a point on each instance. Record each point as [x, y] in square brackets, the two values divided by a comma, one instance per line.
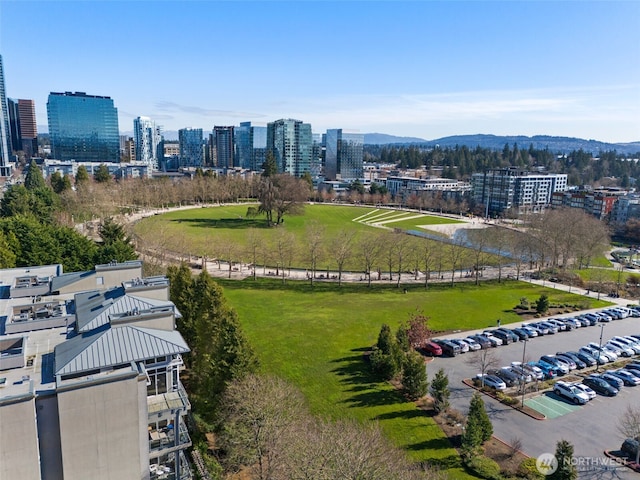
[355, 373]
[228, 223]
[445, 463]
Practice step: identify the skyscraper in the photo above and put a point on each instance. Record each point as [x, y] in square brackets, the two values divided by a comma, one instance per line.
[290, 141]
[190, 140]
[343, 155]
[224, 146]
[243, 139]
[5, 139]
[28, 127]
[148, 141]
[14, 125]
[83, 127]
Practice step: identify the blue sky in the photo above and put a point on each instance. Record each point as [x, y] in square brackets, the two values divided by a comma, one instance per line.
[418, 68]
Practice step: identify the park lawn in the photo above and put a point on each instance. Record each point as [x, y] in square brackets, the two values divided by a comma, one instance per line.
[421, 222]
[315, 337]
[605, 275]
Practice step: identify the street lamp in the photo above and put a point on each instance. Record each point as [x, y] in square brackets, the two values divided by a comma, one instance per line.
[602, 325]
[524, 351]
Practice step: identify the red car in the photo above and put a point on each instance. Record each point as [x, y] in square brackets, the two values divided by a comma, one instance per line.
[432, 349]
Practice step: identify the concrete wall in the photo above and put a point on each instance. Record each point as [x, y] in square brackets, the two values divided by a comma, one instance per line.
[159, 321]
[100, 430]
[18, 441]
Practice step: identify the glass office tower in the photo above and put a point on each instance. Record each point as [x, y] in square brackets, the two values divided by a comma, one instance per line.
[343, 155]
[83, 127]
[5, 138]
[291, 143]
[191, 154]
[224, 146]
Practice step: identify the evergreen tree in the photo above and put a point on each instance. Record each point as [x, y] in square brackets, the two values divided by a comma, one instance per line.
[566, 469]
[478, 428]
[542, 304]
[59, 183]
[269, 167]
[82, 176]
[102, 175]
[402, 337]
[414, 376]
[440, 391]
[385, 339]
[116, 245]
[34, 179]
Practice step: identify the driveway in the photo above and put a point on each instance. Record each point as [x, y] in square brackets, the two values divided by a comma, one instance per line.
[591, 428]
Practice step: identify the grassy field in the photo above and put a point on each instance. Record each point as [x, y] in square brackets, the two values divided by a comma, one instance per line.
[206, 231]
[315, 337]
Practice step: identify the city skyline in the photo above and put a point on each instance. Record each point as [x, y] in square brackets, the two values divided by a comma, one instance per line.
[424, 69]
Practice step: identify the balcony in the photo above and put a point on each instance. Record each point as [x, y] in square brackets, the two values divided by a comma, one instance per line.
[168, 402]
[166, 468]
[167, 440]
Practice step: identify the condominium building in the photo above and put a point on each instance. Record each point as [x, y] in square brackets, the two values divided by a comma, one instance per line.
[22, 125]
[148, 142]
[343, 155]
[90, 376]
[5, 136]
[223, 147]
[515, 190]
[83, 127]
[290, 141]
[597, 203]
[191, 148]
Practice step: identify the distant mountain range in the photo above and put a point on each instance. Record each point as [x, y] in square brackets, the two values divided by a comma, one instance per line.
[497, 142]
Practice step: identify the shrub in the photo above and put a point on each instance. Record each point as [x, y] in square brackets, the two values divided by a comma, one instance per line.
[527, 469]
[506, 399]
[484, 467]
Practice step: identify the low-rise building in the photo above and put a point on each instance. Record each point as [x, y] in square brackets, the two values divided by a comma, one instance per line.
[90, 376]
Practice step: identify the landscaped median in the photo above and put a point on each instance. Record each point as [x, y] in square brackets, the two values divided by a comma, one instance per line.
[510, 401]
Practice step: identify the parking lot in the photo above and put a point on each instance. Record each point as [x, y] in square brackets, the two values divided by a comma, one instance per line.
[591, 428]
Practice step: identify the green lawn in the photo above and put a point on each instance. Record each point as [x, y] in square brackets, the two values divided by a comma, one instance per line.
[207, 231]
[315, 337]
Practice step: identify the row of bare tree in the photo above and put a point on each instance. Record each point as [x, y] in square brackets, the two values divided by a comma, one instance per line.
[269, 433]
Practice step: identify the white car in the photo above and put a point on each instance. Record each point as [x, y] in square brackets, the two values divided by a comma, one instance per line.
[600, 357]
[570, 392]
[586, 389]
[473, 345]
[496, 342]
[464, 346]
[613, 356]
[491, 381]
[626, 350]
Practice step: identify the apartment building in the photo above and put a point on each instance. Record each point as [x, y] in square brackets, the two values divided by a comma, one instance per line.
[90, 376]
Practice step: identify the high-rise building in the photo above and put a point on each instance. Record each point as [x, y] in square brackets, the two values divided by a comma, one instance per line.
[191, 154]
[259, 146]
[243, 139]
[5, 137]
[224, 147]
[28, 127]
[148, 142]
[290, 141]
[14, 125]
[343, 155]
[83, 127]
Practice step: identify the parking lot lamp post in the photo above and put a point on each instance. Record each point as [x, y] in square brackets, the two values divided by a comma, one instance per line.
[524, 351]
[602, 325]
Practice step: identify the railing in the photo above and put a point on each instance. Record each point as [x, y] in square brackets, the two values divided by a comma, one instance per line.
[177, 399]
[162, 442]
[166, 470]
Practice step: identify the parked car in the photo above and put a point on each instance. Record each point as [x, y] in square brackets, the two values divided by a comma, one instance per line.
[610, 354]
[559, 324]
[448, 348]
[630, 446]
[534, 371]
[510, 333]
[593, 318]
[548, 370]
[584, 321]
[600, 386]
[571, 365]
[570, 392]
[509, 377]
[586, 389]
[464, 346]
[628, 379]
[433, 349]
[500, 335]
[633, 368]
[551, 360]
[523, 374]
[579, 364]
[521, 333]
[629, 342]
[603, 317]
[550, 327]
[483, 341]
[625, 350]
[495, 342]
[586, 358]
[532, 332]
[613, 380]
[600, 358]
[473, 345]
[490, 381]
[540, 330]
